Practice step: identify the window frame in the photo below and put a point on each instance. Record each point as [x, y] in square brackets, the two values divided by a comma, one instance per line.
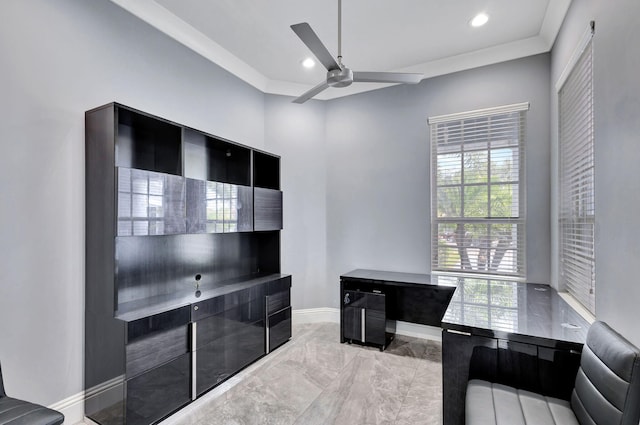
[516, 114]
[576, 217]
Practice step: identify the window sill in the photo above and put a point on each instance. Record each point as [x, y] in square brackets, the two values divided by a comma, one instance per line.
[575, 304]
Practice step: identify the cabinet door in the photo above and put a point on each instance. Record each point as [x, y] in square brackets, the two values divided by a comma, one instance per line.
[154, 340]
[464, 357]
[557, 370]
[150, 203]
[227, 342]
[375, 327]
[267, 209]
[157, 393]
[352, 323]
[214, 207]
[518, 365]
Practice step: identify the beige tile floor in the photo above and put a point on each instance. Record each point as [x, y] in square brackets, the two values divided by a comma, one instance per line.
[313, 379]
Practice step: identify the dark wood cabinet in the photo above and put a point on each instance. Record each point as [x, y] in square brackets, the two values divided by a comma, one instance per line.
[178, 288]
[364, 318]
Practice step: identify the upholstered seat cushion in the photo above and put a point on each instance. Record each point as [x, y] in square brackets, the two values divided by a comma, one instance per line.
[495, 404]
[18, 412]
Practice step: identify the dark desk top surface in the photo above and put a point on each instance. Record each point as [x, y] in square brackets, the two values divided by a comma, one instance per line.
[514, 311]
[393, 277]
[511, 310]
[135, 310]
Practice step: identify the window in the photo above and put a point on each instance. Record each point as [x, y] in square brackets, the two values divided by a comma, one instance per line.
[477, 196]
[577, 176]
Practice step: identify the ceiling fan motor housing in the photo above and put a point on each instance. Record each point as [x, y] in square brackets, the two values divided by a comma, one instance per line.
[340, 77]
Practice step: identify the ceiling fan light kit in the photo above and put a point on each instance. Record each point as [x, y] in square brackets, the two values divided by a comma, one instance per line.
[339, 75]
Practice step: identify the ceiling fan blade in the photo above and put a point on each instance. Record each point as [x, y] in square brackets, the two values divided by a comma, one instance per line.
[387, 77]
[308, 37]
[314, 91]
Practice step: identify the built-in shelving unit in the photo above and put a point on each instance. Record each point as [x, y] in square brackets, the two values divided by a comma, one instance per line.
[183, 282]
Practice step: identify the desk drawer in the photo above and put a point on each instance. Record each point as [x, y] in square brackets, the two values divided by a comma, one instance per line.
[156, 349]
[279, 328]
[145, 327]
[278, 301]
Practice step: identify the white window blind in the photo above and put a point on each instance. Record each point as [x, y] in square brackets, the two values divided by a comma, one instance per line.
[477, 196]
[577, 178]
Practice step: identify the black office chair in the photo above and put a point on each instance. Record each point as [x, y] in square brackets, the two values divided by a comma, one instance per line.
[19, 412]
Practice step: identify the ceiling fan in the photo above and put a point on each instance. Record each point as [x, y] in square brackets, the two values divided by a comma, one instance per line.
[338, 75]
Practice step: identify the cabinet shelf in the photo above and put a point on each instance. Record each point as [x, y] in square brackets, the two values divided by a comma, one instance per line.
[266, 170]
[214, 159]
[147, 143]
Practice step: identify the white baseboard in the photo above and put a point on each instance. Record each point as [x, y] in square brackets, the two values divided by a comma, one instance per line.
[332, 315]
[315, 315]
[72, 408]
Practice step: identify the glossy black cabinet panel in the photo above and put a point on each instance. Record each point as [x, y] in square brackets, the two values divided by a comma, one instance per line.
[351, 324]
[375, 324]
[278, 285]
[150, 203]
[214, 207]
[279, 325]
[518, 365]
[150, 267]
[267, 209]
[155, 349]
[464, 357]
[231, 345]
[364, 318]
[557, 370]
[278, 301]
[159, 392]
[148, 326]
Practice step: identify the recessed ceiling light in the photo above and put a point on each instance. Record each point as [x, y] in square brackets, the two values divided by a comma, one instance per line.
[479, 20]
[308, 63]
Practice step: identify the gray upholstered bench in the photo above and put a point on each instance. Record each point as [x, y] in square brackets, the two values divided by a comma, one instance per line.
[606, 392]
[19, 412]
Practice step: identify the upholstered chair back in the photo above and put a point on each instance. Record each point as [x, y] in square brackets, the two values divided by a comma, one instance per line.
[607, 390]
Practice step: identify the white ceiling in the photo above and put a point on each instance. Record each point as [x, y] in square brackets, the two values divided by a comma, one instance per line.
[253, 39]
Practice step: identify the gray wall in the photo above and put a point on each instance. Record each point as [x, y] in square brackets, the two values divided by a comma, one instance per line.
[617, 152]
[58, 59]
[378, 171]
[297, 133]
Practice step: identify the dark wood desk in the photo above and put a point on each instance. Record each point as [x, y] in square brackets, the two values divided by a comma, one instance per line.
[518, 334]
[409, 297]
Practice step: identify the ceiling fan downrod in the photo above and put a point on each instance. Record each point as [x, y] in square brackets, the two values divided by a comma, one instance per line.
[340, 33]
